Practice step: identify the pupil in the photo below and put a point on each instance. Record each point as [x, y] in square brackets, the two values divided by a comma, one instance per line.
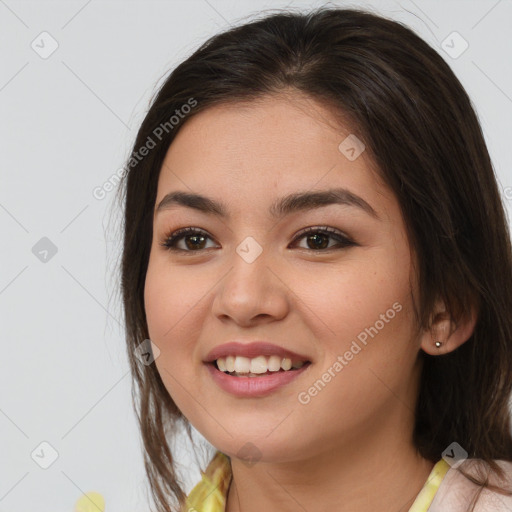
[315, 240]
[194, 244]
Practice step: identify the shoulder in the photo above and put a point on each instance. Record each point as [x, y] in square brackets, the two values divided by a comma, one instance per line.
[456, 492]
[211, 492]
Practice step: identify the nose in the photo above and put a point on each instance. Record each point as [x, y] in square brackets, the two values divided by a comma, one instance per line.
[251, 292]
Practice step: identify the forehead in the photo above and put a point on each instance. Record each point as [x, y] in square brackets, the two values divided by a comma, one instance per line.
[267, 148]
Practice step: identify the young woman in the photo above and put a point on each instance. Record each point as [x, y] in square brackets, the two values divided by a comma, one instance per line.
[316, 246]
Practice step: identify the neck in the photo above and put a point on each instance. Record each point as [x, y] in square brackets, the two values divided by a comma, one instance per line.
[365, 476]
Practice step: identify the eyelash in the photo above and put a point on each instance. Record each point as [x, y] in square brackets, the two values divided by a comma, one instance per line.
[170, 239]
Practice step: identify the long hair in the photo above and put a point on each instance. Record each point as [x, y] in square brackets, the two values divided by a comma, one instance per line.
[400, 98]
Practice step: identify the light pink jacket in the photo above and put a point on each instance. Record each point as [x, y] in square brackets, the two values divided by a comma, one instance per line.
[456, 491]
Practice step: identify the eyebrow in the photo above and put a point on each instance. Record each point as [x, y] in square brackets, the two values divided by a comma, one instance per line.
[298, 201]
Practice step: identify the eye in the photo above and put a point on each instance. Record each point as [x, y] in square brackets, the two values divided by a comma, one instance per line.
[316, 237]
[194, 238]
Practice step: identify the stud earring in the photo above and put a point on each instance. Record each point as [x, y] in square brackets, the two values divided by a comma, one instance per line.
[438, 344]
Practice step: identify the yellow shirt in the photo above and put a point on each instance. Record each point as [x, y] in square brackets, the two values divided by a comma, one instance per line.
[210, 494]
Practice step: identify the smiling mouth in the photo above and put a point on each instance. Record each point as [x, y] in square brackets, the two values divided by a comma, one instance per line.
[271, 373]
[257, 367]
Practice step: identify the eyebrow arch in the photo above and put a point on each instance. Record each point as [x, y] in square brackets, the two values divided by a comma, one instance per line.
[298, 201]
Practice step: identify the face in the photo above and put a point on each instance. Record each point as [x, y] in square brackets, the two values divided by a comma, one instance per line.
[338, 295]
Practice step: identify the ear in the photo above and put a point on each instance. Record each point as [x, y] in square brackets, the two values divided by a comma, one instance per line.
[444, 329]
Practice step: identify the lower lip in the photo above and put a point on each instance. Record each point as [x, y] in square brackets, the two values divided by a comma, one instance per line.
[254, 386]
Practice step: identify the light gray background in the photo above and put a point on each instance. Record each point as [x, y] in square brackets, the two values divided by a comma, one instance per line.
[67, 123]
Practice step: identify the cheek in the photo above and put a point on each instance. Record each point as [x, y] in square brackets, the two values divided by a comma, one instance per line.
[349, 298]
[170, 298]
[169, 304]
[367, 318]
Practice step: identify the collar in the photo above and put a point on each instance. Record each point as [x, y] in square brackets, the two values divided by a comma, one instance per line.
[210, 494]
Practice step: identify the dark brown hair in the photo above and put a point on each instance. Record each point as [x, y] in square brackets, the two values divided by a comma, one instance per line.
[400, 98]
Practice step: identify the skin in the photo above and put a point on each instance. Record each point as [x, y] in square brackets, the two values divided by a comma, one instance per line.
[349, 448]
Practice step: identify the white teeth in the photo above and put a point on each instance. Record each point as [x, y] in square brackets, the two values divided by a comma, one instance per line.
[256, 365]
[286, 364]
[274, 363]
[230, 363]
[259, 365]
[242, 364]
[221, 363]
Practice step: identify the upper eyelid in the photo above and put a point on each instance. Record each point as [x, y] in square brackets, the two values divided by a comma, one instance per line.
[193, 229]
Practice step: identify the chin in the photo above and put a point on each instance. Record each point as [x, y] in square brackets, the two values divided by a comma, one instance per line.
[252, 449]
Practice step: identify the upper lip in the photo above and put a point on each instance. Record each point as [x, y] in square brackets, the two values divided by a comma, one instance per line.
[251, 350]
